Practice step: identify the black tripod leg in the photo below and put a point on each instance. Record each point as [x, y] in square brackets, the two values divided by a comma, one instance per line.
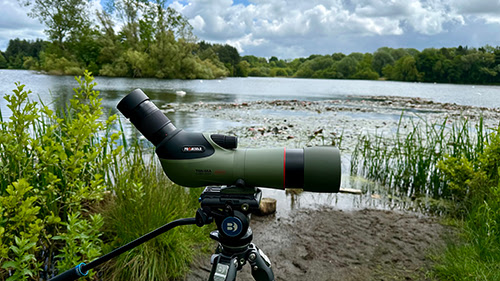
[261, 266]
[223, 268]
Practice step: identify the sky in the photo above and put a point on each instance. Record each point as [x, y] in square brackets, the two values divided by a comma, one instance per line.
[289, 29]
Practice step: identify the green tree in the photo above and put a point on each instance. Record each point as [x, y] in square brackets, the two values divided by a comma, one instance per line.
[381, 58]
[365, 70]
[356, 56]
[398, 53]
[426, 62]
[63, 18]
[305, 70]
[337, 56]
[228, 55]
[404, 69]
[110, 47]
[3, 61]
[18, 49]
[347, 67]
[242, 69]
[255, 61]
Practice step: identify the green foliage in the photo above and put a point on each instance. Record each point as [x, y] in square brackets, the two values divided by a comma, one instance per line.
[52, 165]
[23, 262]
[81, 241]
[55, 170]
[54, 64]
[21, 229]
[3, 61]
[64, 18]
[476, 255]
[381, 58]
[145, 199]
[30, 63]
[448, 65]
[18, 50]
[404, 69]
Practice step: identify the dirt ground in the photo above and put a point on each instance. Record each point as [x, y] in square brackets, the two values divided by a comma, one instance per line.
[331, 244]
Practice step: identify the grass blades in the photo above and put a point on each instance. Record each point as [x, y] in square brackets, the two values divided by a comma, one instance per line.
[406, 162]
[145, 200]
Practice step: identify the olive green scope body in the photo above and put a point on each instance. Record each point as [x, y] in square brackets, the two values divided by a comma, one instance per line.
[196, 159]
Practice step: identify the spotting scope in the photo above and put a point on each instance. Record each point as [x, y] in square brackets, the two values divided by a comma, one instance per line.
[198, 159]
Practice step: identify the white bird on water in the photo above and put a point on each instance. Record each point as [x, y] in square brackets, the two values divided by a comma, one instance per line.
[180, 93]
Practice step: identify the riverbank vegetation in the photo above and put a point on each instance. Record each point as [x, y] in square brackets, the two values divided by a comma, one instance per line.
[71, 189]
[153, 40]
[452, 170]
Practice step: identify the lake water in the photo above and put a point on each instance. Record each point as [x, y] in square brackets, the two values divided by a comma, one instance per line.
[57, 90]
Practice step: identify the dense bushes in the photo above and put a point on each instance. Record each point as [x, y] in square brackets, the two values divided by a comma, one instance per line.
[67, 189]
[54, 165]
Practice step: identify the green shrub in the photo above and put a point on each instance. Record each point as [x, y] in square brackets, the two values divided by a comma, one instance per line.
[118, 68]
[53, 166]
[30, 63]
[61, 65]
[476, 255]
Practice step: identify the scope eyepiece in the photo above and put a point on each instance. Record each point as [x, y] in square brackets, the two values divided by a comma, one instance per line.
[146, 117]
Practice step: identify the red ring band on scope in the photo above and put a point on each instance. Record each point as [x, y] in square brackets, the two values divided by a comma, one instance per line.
[293, 170]
[284, 168]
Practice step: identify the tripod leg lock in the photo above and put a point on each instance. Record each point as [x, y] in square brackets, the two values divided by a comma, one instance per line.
[261, 266]
[223, 268]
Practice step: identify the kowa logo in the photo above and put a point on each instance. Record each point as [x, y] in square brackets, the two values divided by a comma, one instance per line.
[193, 148]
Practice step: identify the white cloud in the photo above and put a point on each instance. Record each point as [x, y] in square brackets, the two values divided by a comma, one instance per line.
[487, 10]
[282, 22]
[246, 40]
[198, 23]
[478, 7]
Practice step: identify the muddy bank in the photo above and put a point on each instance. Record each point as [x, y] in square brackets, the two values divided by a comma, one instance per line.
[331, 244]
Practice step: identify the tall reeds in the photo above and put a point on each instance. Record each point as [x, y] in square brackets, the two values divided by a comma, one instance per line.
[406, 162]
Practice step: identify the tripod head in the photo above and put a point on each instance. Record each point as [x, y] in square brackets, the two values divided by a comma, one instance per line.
[230, 207]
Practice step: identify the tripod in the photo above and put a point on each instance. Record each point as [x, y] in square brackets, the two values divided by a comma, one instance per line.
[230, 207]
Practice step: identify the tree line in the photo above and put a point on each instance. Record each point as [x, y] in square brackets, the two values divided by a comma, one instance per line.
[154, 40]
[445, 65]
